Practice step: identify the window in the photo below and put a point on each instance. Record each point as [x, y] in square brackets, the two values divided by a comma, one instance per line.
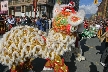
[22, 0]
[50, 1]
[28, 9]
[42, 8]
[18, 9]
[22, 8]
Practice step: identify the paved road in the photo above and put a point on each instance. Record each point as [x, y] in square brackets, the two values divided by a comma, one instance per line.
[92, 50]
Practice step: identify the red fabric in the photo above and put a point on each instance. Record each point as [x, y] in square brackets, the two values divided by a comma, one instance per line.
[106, 28]
[70, 8]
[44, 38]
[60, 70]
[85, 25]
[10, 26]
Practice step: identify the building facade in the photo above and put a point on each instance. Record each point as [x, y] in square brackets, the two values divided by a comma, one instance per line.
[103, 9]
[17, 7]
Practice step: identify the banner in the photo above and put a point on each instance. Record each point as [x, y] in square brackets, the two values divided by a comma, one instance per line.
[4, 5]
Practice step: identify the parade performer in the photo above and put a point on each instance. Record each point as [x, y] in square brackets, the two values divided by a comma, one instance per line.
[22, 44]
[85, 24]
[103, 36]
[90, 31]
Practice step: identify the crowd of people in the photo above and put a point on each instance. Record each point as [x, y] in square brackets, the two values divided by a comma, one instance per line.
[96, 25]
[102, 28]
[42, 23]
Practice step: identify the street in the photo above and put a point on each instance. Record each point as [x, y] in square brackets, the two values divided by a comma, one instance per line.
[91, 49]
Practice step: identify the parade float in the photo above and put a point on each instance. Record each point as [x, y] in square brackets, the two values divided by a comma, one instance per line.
[22, 44]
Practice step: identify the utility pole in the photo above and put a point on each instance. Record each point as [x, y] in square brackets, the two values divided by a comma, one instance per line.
[35, 6]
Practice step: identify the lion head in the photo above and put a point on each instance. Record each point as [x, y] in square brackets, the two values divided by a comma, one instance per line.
[65, 18]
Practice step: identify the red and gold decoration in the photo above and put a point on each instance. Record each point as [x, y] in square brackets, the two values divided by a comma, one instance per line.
[19, 68]
[58, 64]
[61, 23]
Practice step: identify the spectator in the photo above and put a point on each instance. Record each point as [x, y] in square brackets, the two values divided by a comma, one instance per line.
[44, 22]
[11, 22]
[104, 57]
[27, 21]
[22, 20]
[33, 22]
[38, 23]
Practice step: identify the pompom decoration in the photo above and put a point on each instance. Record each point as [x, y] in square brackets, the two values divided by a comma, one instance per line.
[22, 44]
[60, 24]
[58, 64]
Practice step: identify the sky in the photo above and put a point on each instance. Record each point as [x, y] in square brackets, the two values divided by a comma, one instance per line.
[88, 6]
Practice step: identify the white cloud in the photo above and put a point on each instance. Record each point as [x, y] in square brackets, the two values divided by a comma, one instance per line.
[89, 9]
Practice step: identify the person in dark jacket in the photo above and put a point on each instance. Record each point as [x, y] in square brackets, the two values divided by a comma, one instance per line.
[1, 18]
[104, 57]
[38, 23]
[27, 21]
[44, 23]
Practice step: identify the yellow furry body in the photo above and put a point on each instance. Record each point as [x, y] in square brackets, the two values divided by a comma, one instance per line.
[27, 42]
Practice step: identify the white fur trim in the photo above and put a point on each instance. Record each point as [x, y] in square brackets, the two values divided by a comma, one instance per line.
[80, 14]
[56, 10]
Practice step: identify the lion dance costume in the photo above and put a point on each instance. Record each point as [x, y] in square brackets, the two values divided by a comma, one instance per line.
[22, 44]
